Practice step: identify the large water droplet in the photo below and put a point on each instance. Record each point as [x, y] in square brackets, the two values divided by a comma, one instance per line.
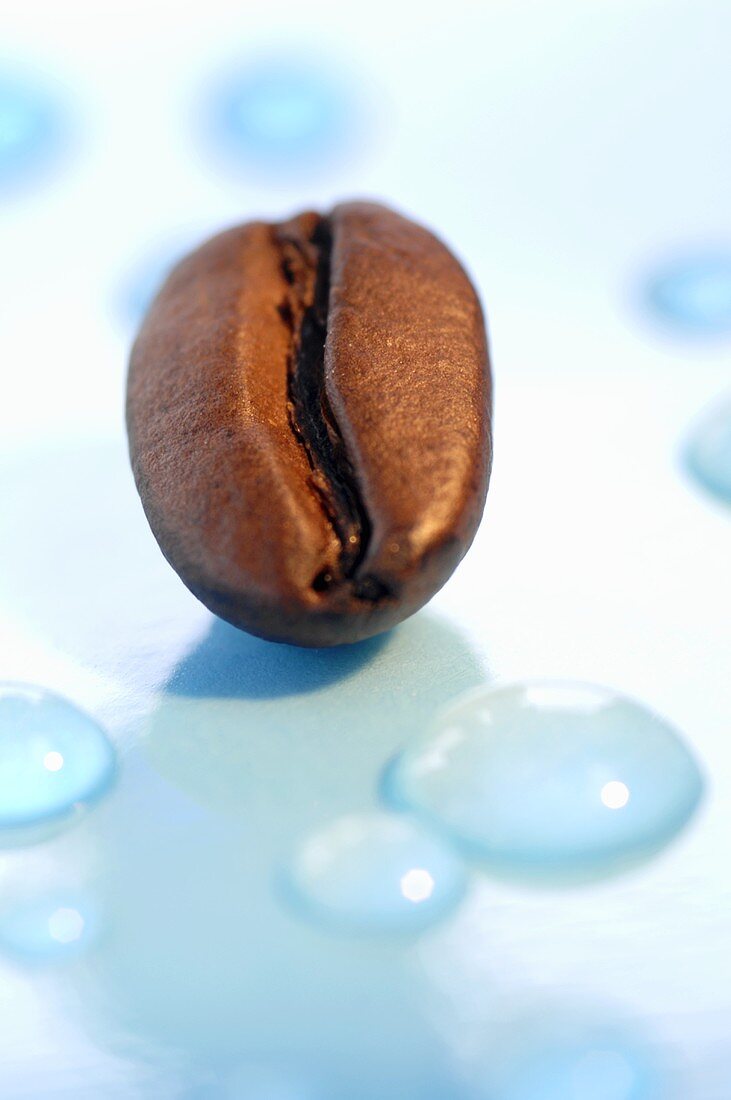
[377, 872]
[708, 450]
[280, 114]
[694, 294]
[48, 928]
[551, 779]
[53, 758]
[28, 129]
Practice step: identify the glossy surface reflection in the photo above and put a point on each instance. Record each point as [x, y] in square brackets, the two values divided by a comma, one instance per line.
[547, 779]
[250, 749]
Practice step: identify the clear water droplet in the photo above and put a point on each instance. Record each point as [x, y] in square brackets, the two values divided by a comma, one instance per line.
[53, 758]
[708, 450]
[550, 779]
[29, 129]
[694, 294]
[280, 113]
[376, 872]
[48, 928]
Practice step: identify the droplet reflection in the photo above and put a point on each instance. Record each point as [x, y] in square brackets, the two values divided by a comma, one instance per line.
[376, 872]
[47, 928]
[615, 794]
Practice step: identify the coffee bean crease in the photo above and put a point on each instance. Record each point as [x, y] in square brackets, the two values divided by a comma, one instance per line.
[305, 265]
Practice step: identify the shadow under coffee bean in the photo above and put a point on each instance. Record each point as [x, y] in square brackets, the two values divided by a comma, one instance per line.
[309, 421]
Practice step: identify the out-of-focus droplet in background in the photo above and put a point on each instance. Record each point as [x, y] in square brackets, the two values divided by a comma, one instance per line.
[280, 114]
[693, 295]
[31, 130]
[707, 451]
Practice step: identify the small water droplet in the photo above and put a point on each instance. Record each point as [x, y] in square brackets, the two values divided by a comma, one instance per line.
[694, 294]
[28, 128]
[48, 928]
[281, 113]
[54, 759]
[550, 779]
[708, 450]
[377, 872]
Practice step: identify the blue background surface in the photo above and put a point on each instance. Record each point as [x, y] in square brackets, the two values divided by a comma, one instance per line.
[576, 157]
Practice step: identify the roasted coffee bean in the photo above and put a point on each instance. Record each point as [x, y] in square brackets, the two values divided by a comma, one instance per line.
[309, 422]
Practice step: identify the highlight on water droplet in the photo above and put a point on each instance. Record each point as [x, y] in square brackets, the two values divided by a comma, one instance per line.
[550, 780]
[54, 758]
[708, 450]
[693, 294]
[281, 113]
[29, 128]
[376, 872]
[48, 927]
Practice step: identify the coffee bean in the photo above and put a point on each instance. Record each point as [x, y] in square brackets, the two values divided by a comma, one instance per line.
[309, 422]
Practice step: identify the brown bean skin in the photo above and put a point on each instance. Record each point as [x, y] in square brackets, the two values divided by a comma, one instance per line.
[309, 417]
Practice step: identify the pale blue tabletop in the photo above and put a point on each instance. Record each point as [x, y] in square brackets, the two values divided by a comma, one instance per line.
[577, 158]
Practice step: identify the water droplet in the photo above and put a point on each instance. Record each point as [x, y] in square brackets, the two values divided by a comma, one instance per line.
[550, 779]
[53, 758]
[377, 872]
[694, 294]
[48, 928]
[29, 129]
[708, 451]
[281, 114]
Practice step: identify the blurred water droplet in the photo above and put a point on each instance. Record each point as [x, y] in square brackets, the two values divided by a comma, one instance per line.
[140, 285]
[49, 928]
[708, 450]
[561, 1056]
[281, 114]
[53, 758]
[377, 872]
[550, 779]
[694, 294]
[29, 129]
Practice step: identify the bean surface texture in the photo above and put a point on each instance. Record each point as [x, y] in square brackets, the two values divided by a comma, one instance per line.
[309, 417]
